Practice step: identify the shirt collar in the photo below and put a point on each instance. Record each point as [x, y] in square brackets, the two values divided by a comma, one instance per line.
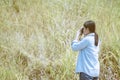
[91, 34]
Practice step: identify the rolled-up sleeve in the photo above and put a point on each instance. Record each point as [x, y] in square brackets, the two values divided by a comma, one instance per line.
[79, 45]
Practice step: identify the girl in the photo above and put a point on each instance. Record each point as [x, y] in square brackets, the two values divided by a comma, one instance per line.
[88, 65]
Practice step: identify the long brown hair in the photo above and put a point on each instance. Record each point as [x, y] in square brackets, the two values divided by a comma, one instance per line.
[92, 27]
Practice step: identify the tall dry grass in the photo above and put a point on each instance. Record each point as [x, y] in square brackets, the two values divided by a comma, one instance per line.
[36, 35]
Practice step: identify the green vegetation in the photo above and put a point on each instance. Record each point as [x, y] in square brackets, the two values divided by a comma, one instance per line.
[36, 35]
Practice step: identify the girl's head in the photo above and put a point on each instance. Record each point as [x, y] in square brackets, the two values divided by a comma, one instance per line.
[89, 27]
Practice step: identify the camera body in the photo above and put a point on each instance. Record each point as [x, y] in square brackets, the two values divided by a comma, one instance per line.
[82, 30]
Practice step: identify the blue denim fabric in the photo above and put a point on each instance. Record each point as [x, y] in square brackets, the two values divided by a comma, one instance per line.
[84, 76]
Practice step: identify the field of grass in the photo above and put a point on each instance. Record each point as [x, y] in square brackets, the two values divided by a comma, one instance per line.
[36, 36]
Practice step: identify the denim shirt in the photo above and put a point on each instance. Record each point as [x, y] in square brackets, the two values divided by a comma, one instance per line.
[87, 61]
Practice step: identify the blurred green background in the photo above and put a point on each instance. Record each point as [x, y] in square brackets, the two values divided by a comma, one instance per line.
[36, 36]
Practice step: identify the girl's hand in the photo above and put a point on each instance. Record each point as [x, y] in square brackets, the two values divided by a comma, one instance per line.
[80, 31]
